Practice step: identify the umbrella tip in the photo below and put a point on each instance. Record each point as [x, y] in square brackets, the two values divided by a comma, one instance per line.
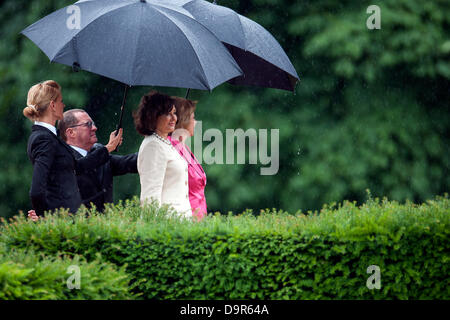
[76, 67]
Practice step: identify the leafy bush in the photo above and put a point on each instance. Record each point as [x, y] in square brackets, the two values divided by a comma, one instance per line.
[275, 255]
[24, 274]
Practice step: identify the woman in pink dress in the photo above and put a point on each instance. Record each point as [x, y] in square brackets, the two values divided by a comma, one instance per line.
[197, 178]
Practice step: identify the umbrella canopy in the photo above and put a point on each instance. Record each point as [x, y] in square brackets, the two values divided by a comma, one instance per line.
[137, 42]
[257, 52]
[259, 55]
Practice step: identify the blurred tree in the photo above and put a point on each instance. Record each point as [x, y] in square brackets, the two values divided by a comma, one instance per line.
[371, 110]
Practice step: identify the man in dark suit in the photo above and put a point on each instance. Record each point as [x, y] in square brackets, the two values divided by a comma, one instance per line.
[96, 185]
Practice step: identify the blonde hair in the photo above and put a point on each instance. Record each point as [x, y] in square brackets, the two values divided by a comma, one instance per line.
[39, 97]
[185, 108]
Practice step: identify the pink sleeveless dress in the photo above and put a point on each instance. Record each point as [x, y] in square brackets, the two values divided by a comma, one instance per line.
[197, 180]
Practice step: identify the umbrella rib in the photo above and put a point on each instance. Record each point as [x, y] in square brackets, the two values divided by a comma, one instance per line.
[243, 31]
[136, 50]
[165, 6]
[195, 53]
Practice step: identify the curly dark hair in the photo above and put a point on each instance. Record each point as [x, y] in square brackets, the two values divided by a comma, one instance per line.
[151, 106]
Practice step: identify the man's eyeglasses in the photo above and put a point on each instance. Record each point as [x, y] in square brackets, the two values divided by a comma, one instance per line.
[88, 124]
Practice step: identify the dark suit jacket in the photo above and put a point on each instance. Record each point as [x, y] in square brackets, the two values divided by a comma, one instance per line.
[96, 185]
[54, 183]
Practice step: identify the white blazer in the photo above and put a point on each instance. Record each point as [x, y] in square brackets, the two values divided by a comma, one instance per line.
[164, 175]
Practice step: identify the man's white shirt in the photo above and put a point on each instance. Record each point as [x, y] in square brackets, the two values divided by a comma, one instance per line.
[81, 151]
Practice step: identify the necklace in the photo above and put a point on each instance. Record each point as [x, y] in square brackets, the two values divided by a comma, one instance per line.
[166, 141]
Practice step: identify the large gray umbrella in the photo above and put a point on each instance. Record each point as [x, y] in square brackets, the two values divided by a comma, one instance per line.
[137, 42]
[261, 58]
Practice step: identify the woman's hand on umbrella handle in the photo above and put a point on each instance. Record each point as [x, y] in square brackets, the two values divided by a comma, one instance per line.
[32, 215]
[114, 140]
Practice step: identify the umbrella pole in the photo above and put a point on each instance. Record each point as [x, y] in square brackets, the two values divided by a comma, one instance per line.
[121, 109]
[119, 126]
[187, 93]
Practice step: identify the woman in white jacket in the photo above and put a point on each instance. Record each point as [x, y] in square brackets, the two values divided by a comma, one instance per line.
[162, 171]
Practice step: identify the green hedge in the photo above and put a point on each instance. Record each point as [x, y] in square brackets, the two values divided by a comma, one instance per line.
[272, 255]
[25, 274]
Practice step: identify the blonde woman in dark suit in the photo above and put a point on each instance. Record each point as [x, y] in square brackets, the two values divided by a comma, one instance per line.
[54, 184]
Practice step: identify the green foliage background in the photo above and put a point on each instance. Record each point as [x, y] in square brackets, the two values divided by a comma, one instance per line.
[371, 110]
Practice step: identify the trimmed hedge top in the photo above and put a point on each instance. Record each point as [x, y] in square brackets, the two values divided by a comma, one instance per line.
[128, 220]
